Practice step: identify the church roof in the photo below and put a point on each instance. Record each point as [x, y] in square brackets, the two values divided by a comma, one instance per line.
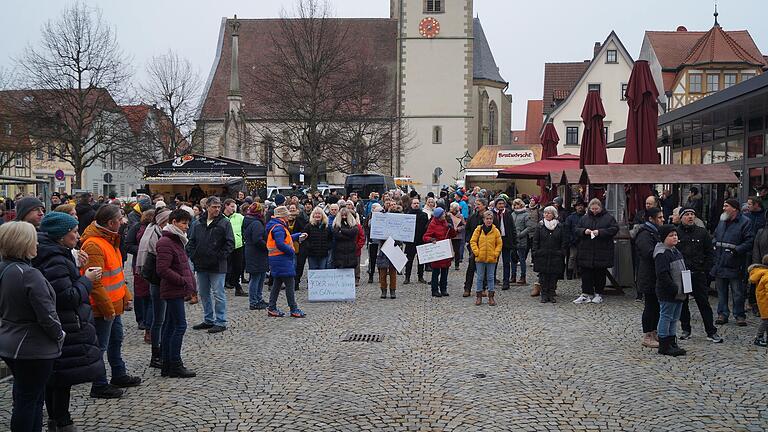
[374, 36]
[676, 49]
[484, 65]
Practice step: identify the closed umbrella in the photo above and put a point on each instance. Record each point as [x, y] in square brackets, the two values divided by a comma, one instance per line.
[642, 122]
[549, 140]
[593, 151]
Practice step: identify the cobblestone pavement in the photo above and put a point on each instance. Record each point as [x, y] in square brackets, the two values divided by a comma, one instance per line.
[444, 364]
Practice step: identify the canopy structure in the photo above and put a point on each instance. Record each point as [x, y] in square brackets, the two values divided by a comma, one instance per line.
[541, 170]
[198, 169]
[658, 174]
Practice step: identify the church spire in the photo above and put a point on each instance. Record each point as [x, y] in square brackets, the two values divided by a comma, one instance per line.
[234, 79]
[716, 14]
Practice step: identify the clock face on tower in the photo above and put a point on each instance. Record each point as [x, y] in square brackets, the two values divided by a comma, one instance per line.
[429, 27]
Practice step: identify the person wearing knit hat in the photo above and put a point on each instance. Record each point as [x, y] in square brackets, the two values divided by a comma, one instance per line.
[282, 262]
[57, 225]
[279, 199]
[281, 212]
[160, 204]
[30, 209]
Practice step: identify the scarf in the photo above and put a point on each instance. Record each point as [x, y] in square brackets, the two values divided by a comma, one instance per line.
[551, 224]
[501, 223]
[173, 229]
[653, 227]
[147, 244]
[487, 229]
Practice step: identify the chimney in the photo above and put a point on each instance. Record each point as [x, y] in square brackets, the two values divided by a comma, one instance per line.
[596, 49]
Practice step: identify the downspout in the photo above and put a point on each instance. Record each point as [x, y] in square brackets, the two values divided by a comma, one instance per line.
[399, 85]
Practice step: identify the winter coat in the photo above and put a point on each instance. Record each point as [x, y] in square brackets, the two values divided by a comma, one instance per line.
[422, 220]
[464, 208]
[132, 238]
[758, 276]
[760, 247]
[140, 285]
[85, 215]
[597, 252]
[176, 278]
[697, 203]
[31, 329]
[81, 359]
[486, 247]
[438, 229]
[571, 222]
[255, 243]
[509, 236]
[281, 265]
[645, 242]
[360, 241]
[695, 244]
[382, 260]
[758, 220]
[474, 221]
[733, 243]
[318, 241]
[236, 221]
[210, 245]
[520, 219]
[345, 237]
[459, 227]
[100, 301]
[669, 264]
[296, 226]
[549, 249]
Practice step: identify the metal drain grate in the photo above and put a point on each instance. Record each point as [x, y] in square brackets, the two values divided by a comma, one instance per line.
[360, 337]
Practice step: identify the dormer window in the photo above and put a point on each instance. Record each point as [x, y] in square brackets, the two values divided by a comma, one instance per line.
[611, 56]
[434, 6]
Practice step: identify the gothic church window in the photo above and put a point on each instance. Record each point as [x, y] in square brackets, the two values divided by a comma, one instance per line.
[437, 135]
[493, 127]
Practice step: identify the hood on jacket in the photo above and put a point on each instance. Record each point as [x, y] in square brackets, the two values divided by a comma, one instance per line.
[660, 249]
[757, 272]
[94, 230]
[47, 248]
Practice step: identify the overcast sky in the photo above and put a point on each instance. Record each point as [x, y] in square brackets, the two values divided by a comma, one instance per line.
[523, 34]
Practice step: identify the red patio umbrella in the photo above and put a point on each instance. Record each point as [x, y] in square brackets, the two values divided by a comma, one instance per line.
[593, 151]
[549, 140]
[642, 122]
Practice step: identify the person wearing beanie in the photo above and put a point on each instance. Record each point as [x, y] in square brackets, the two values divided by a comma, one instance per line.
[733, 244]
[30, 209]
[645, 281]
[439, 228]
[279, 200]
[210, 243]
[282, 262]
[669, 266]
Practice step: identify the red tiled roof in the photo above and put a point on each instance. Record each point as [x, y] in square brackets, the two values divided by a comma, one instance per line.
[716, 46]
[678, 48]
[534, 120]
[376, 37]
[559, 80]
[136, 116]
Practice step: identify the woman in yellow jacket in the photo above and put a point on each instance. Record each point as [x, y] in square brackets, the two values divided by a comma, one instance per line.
[758, 275]
[486, 247]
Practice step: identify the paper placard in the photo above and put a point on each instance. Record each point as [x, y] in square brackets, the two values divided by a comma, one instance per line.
[431, 252]
[395, 254]
[331, 285]
[687, 283]
[399, 226]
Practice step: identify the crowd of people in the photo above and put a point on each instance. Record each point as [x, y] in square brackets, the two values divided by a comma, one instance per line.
[63, 288]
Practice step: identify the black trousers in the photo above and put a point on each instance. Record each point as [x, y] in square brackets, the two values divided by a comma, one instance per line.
[29, 379]
[700, 287]
[469, 279]
[650, 312]
[410, 252]
[57, 404]
[548, 283]
[235, 264]
[593, 280]
[301, 261]
[373, 250]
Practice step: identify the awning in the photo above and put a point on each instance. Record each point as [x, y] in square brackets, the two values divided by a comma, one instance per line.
[658, 174]
[188, 180]
[194, 168]
[540, 170]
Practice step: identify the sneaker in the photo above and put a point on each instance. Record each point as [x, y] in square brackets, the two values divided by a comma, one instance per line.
[760, 342]
[298, 313]
[715, 338]
[584, 298]
[277, 313]
[106, 391]
[202, 326]
[741, 322]
[216, 329]
[597, 299]
[125, 381]
[684, 335]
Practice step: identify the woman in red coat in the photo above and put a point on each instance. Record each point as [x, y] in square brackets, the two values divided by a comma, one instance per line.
[439, 228]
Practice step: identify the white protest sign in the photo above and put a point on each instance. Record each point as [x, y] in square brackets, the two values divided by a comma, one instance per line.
[399, 226]
[687, 283]
[331, 285]
[395, 254]
[431, 252]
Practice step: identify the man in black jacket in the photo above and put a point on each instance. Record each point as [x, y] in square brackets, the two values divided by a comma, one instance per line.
[474, 221]
[422, 220]
[696, 246]
[506, 225]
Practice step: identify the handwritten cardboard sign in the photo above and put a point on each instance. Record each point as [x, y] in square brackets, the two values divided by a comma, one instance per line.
[430, 252]
[331, 285]
[395, 254]
[399, 226]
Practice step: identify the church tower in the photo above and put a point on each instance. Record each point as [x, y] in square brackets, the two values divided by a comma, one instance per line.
[435, 49]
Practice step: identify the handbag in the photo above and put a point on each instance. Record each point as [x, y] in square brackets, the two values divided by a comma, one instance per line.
[149, 269]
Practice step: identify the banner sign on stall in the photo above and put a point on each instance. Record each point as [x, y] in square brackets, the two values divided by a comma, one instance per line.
[399, 226]
[395, 254]
[431, 252]
[331, 285]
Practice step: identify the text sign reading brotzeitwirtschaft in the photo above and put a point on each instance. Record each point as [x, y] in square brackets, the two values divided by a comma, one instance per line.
[331, 285]
[399, 226]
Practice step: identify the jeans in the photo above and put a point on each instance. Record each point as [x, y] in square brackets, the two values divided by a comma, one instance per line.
[669, 314]
[737, 290]
[158, 316]
[593, 280]
[699, 294]
[29, 378]
[485, 273]
[210, 286]
[290, 294]
[173, 330]
[506, 258]
[143, 309]
[255, 288]
[57, 404]
[110, 335]
[650, 312]
[440, 285]
[317, 263]
[522, 255]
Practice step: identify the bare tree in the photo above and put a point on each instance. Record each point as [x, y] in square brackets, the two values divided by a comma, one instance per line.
[173, 89]
[70, 80]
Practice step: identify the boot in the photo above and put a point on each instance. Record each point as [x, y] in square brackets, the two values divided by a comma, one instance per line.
[392, 293]
[485, 293]
[536, 290]
[467, 293]
[407, 280]
[422, 280]
[522, 281]
[675, 348]
[543, 298]
[552, 294]
[177, 370]
[655, 336]
[491, 298]
[239, 291]
[505, 286]
[147, 336]
[664, 346]
[648, 341]
[156, 360]
[383, 293]
[479, 298]
[370, 278]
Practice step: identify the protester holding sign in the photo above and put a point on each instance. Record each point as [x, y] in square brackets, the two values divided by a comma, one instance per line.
[318, 241]
[422, 219]
[439, 228]
[486, 247]
[345, 234]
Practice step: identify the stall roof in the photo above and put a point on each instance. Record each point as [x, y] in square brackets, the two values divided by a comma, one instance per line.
[541, 169]
[658, 174]
[195, 166]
